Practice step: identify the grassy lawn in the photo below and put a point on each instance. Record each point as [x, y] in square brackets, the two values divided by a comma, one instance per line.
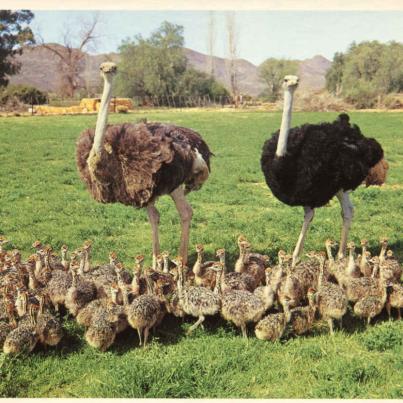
[43, 198]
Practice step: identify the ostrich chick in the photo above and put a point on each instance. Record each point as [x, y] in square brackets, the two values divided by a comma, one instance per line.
[369, 307]
[101, 334]
[241, 307]
[234, 280]
[144, 312]
[48, 328]
[80, 293]
[395, 299]
[23, 339]
[195, 301]
[272, 326]
[291, 287]
[391, 264]
[331, 300]
[352, 269]
[301, 318]
[203, 276]
[365, 266]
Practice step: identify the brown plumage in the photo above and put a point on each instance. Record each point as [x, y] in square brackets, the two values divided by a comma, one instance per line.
[272, 326]
[395, 299]
[101, 334]
[141, 162]
[331, 300]
[377, 174]
[134, 164]
[80, 293]
[144, 312]
[290, 287]
[241, 307]
[250, 263]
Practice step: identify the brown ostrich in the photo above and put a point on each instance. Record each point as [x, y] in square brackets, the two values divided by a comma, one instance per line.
[134, 164]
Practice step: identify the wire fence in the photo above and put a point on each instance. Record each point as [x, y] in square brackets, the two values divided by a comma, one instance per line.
[139, 102]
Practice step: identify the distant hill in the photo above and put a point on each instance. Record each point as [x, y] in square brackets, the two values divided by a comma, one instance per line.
[40, 69]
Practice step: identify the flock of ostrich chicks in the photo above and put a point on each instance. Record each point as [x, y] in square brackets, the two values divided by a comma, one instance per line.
[107, 299]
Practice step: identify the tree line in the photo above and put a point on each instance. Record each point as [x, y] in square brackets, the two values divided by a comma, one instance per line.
[156, 67]
[366, 73]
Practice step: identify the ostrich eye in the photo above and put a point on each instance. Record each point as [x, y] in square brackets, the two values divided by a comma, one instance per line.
[285, 80]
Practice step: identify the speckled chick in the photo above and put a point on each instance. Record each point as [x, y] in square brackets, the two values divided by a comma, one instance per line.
[395, 299]
[301, 318]
[101, 334]
[144, 312]
[80, 293]
[241, 307]
[331, 300]
[272, 326]
[196, 301]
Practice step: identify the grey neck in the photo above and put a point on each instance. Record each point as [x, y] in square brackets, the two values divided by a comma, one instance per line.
[285, 123]
[102, 115]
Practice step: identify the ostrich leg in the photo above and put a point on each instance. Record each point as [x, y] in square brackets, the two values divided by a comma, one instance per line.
[309, 213]
[347, 214]
[154, 218]
[185, 211]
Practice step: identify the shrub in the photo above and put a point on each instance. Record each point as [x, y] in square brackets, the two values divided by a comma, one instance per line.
[122, 109]
[393, 101]
[23, 93]
[320, 101]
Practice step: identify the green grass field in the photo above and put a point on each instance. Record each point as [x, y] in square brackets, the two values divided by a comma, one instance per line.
[43, 198]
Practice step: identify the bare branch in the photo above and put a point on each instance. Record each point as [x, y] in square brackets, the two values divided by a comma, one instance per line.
[71, 54]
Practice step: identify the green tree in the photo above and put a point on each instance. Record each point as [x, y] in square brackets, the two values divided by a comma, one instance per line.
[272, 71]
[157, 67]
[334, 75]
[367, 72]
[196, 83]
[152, 66]
[14, 34]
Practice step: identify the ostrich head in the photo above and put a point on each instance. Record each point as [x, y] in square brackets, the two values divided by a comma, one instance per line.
[37, 245]
[220, 252]
[108, 69]
[290, 83]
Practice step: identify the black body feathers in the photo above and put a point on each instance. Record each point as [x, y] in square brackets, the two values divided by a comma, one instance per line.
[321, 160]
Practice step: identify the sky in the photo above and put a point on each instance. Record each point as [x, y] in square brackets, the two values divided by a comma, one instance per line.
[261, 34]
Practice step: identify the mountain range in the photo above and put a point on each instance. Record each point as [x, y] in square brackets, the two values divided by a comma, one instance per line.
[39, 68]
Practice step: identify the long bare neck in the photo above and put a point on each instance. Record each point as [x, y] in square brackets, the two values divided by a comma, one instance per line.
[350, 262]
[197, 266]
[329, 253]
[87, 261]
[32, 282]
[382, 253]
[321, 278]
[285, 124]
[166, 265]
[65, 263]
[217, 288]
[240, 263]
[102, 116]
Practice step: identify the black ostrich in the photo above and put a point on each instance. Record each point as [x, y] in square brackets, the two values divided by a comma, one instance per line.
[134, 164]
[310, 164]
